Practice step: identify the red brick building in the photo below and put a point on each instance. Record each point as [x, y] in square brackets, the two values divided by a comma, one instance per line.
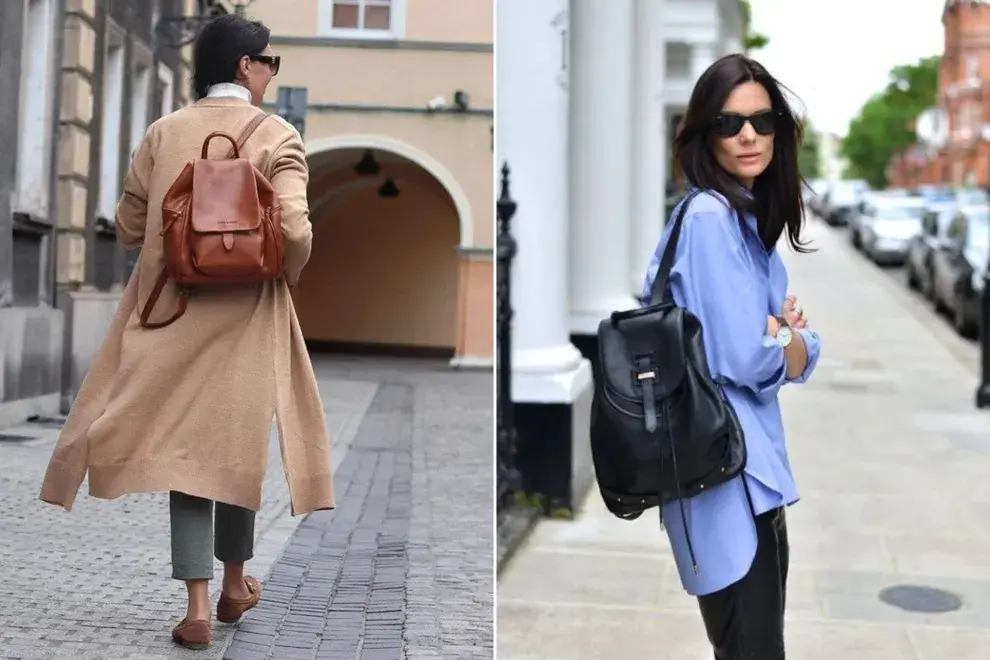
[964, 98]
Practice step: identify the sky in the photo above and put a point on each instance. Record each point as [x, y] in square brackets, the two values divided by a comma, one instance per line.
[835, 54]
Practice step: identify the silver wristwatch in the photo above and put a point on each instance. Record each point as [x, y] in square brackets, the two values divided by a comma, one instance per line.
[784, 333]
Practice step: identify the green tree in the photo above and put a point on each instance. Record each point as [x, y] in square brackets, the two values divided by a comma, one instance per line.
[885, 123]
[808, 155]
[751, 40]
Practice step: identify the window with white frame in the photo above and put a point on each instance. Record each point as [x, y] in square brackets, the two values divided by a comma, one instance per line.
[112, 106]
[166, 85]
[140, 93]
[972, 67]
[35, 116]
[381, 19]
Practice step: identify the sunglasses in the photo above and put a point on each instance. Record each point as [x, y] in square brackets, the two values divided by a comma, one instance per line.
[728, 124]
[273, 61]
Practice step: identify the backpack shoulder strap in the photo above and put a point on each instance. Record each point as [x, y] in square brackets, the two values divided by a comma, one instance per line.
[659, 290]
[153, 298]
[248, 131]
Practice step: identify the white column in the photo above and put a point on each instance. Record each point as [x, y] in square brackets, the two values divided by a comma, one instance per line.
[531, 135]
[649, 145]
[702, 56]
[601, 146]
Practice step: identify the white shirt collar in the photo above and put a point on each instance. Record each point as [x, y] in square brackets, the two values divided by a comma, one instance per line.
[228, 90]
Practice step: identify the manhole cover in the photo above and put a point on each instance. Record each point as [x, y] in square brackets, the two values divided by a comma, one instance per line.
[921, 599]
[11, 437]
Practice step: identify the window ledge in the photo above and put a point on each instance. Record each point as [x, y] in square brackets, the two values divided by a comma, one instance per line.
[31, 222]
[361, 35]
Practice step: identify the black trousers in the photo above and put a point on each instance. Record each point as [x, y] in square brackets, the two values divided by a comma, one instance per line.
[745, 621]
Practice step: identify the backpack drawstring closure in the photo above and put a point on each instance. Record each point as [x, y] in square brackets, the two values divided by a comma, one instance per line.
[680, 498]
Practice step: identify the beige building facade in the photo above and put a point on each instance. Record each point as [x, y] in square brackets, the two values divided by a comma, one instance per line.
[398, 121]
[398, 124]
[86, 78]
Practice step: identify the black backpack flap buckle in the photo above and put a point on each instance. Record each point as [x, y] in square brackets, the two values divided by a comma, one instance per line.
[658, 336]
[645, 375]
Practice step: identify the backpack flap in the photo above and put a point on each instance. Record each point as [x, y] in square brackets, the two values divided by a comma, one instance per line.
[226, 197]
[641, 353]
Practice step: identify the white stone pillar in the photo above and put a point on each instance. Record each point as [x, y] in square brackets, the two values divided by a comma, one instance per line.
[531, 135]
[649, 145]
[600, 158]
[703, 55]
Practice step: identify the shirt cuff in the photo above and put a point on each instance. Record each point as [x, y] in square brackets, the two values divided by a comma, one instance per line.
[813, 346]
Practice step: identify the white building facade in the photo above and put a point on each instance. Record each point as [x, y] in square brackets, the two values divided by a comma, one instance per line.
[588, 94]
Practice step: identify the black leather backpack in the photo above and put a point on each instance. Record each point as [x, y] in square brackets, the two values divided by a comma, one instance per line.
[661, 428]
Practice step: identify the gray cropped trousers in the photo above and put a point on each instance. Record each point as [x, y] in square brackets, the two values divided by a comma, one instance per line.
[195, 541]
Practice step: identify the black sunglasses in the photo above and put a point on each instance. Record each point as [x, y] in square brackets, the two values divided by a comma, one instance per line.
[273, 61]
[728, 124]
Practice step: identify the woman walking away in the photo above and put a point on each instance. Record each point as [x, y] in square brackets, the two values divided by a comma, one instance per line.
[738, 148]
[187, 408]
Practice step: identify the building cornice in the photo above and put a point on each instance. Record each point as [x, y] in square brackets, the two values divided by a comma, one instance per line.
[382, 44]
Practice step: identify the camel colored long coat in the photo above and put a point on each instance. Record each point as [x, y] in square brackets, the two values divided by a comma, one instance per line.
[189, 407]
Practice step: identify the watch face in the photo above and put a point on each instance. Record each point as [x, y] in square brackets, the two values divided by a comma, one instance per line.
[784, 336]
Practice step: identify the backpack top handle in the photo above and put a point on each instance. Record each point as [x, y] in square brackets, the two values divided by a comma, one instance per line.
[234, 151]
[235, 147]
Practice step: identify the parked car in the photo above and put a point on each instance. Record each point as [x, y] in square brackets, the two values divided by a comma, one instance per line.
[958, 268]
[886, 226]
[813, 193]
[867, 206]
[934, 225]
[934, 194]
[841, 200]
[971, 196]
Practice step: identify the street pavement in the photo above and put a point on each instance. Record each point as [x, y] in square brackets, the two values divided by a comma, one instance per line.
[401, 569]
[892, 461]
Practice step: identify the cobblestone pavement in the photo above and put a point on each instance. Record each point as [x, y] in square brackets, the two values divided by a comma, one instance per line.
[409, 543]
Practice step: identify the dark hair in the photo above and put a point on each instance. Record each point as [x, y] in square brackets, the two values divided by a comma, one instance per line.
[220, 47]
[776, 198]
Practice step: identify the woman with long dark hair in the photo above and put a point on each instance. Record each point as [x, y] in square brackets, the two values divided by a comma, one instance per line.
[738, 149]
[188, 408]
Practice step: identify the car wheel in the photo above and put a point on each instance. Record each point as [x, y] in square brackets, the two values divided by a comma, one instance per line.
[959, 320]
[868, 249]
[912, 277]
[927, 287]
[937, 299]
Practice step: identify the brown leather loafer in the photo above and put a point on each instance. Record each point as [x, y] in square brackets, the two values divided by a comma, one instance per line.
[193, 634]
[230, 610]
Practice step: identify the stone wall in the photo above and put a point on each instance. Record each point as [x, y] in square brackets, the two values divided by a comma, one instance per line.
[31, 340]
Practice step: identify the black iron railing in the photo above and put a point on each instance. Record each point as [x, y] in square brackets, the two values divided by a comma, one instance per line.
[508, 478]
[983, 389]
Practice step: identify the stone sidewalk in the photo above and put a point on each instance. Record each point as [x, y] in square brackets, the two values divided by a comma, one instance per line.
[893, 466]
[402, 568]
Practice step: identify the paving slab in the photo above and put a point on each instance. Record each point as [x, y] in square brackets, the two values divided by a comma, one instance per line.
[410, 541]
[891, 460]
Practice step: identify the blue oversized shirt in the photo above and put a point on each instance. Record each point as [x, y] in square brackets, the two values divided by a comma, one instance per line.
[726, 277]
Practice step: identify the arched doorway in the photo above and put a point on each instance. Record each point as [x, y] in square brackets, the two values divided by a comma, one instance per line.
[383, 276]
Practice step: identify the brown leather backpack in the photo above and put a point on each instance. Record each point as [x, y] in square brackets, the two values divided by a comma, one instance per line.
[221, 224]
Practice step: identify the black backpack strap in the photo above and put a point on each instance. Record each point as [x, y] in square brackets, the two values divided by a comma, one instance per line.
[659, 291]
